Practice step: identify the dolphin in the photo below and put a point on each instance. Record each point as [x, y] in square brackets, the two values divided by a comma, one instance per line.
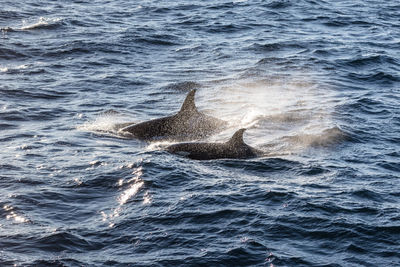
[188, 124]
[235, 148]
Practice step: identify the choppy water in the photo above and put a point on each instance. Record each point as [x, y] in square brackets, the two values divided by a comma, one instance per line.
[316, 82]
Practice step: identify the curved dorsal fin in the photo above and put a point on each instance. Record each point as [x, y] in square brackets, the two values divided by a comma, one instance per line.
[237, 138]
[189, 105]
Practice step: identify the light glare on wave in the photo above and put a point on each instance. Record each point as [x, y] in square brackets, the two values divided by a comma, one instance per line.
[128, 193]
[134, 185]
[12, 215]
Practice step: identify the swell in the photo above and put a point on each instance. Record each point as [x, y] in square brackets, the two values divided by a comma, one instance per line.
[323, 88]
[369, 106]
[43, 23]
[41, 94]
[158, 40]
[369, 61]
[59, 241]
[75, 48]
[11, 54]
[380, 77]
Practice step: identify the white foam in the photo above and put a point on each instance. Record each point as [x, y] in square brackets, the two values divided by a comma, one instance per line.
[102, 123]
[42, 22]
[12, 67]
[276, 108]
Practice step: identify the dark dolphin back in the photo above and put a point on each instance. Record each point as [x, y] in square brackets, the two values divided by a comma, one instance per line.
[237, 138]
[239, 148]
[187, 124]
[235, 148]
[188, 105]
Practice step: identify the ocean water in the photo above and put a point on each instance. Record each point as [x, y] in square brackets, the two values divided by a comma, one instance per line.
[316, 83]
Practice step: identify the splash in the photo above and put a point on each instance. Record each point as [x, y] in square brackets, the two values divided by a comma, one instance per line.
[159, 145]
[106, 122]
[42, 23]
[283, 114]
[13, 68]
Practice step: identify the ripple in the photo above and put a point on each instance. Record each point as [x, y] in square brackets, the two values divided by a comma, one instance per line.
[43, 23]
[9, 167]
[269, 165]
[10, 54]
[276, 46]
[56, 262]
[367, 194]
[315, 81]
[388, 165]
[279, 4]
[226, 28]
[369, 106]
[375, 77]
[369, 61]
[14, 215]
[159, 40]
[33, 94]
[65, 241]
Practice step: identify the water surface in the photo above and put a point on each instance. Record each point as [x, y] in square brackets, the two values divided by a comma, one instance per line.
[315, 82]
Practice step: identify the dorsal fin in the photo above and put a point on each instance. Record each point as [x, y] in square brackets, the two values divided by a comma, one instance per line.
[237, 138]
[189, 105]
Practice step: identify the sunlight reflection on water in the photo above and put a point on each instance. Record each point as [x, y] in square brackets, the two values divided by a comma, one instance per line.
[12, 215]
[134, 186]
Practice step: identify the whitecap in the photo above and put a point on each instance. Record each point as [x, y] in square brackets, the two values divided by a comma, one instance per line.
[41, 23]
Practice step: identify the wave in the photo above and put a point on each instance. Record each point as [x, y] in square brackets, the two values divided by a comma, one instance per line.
[154, 39]
[10, 54]
[10, 14]
[277, 46]
[390, 166]
[82, 47]
[226, 28]
[33, 94]
[5, 30]
[64, 240]
[59, 261]
[13, 69]
[42, 23]
[27, 69]
[382, 77]
[372, 60]
[370, 106]
[279, 4]
[5, 126]
[270, 165]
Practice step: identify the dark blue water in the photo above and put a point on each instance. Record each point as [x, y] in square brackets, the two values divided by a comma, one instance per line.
[317, 84]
